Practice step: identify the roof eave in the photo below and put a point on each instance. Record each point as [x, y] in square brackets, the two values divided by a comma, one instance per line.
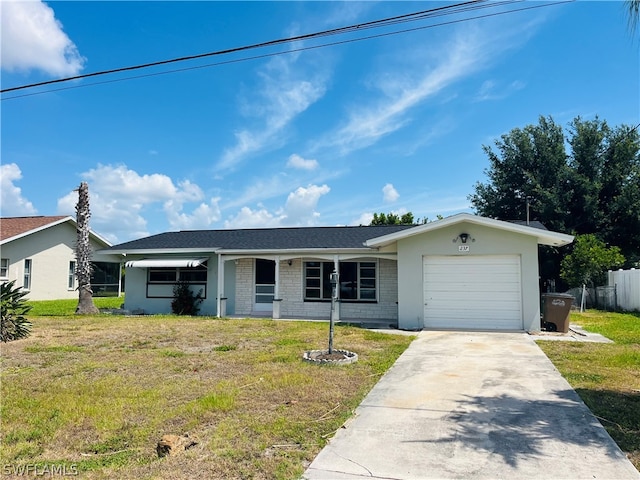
[295, 251]
[544, 237]
[555, 240]
[53, 224]
[238, 251]
[151, 251]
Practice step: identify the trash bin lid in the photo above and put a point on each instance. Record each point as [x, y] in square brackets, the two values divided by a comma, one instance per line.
[558, 295]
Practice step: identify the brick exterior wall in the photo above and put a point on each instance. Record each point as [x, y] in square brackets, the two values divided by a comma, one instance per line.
[244, 286]
[294, 306]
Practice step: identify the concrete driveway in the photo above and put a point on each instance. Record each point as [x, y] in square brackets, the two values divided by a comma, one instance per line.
[472, 406]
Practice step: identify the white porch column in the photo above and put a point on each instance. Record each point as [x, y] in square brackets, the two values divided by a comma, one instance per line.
[222, 300]
[276, 291]
[336, 308]
[120, 280]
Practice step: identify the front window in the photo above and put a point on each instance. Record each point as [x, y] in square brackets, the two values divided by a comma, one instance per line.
[105, 279]
[358, 281]
[71, 281]
[4, 268]
[27, 274]
[173, 275]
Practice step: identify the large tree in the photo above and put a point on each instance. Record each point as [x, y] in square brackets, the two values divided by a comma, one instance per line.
[584, 179]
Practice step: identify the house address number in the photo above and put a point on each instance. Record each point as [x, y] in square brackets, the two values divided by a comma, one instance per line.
[463, 248]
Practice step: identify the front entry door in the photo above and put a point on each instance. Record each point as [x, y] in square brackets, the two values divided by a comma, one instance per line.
[265, 284]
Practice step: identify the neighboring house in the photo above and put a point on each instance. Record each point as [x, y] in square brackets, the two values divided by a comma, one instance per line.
[464, 271]
[38, 252]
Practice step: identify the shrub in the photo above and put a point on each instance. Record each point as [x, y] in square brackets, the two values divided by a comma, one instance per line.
[13, 325]
[185, 302]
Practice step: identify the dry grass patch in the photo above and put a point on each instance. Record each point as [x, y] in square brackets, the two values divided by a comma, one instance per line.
[99, 392]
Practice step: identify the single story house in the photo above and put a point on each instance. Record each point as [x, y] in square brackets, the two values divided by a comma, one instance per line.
[39, 253]
[463, 271]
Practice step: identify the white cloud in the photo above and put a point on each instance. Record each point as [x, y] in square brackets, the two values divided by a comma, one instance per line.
[12, 203]
[301, 205]
[296, 161]
[32, 38]
[364, 219]
[367, 124]
[204, 215]
[119, 198]
[285, 92]
[247, 218]
[490, 90]
[389, 193]
[299, 210]
[410, 78]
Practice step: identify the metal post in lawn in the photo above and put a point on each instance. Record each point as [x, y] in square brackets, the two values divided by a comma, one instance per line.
[334, 282]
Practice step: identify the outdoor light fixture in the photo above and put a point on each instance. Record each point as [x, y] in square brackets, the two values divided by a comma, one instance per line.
[464, 237]
[289, 262]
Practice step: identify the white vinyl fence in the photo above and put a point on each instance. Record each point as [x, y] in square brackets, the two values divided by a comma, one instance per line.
[627, 288]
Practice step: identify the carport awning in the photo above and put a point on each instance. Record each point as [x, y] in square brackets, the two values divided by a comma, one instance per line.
[166, 262]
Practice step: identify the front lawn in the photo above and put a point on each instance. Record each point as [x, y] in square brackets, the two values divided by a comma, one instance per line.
[48, 308]
[606, 376]
[97, 393]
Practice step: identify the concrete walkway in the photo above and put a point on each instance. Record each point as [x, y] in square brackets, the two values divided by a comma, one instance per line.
[460, 405]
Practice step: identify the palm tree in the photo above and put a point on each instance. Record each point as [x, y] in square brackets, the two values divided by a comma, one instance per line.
[633, 11]
[83, 254]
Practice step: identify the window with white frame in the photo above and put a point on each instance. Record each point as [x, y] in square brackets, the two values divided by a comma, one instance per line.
[27, 274]
[4, 268]
[172, 275]
[71, 281]
[358, 281]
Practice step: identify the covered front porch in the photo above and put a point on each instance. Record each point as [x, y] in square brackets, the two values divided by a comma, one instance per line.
[298, 287]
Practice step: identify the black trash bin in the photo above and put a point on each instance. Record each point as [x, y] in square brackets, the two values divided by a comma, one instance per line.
[556, 309]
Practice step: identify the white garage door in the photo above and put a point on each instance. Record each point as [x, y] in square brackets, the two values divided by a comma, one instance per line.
[473, 292]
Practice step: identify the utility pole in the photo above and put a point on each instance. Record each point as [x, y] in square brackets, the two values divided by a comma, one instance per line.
[528, 198]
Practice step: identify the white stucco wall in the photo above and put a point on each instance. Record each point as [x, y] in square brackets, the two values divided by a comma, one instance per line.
[488, 241]
[50, 251]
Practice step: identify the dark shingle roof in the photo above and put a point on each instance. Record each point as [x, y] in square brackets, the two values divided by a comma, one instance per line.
[532, 224]
[263, 238]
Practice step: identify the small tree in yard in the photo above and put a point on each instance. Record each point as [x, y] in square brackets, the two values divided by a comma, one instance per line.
[589, 261]
[13, 325]
[83, 254]
[185, 302]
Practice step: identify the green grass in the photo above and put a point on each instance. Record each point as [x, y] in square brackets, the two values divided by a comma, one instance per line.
[97, 393]
[48, 308]
[606, 376]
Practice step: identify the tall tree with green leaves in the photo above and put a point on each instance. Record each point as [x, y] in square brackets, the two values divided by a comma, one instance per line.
[528, 168]
[83, 254]
[582, 180]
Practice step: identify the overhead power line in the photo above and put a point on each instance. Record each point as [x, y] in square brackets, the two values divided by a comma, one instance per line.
[410, 17]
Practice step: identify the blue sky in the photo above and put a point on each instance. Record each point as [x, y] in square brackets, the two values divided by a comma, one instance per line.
[301, 136]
